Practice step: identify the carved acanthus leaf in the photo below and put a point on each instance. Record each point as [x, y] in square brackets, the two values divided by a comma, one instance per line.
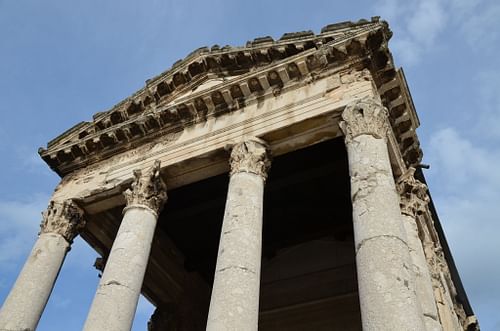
[64, 218]
[413, 194]
[148, 189]
[364, 117]
[251, 156]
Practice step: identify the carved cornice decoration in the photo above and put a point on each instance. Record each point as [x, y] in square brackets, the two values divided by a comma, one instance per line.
[65, 219]
[251, 156]
[148, 190]
[413, 194]
[364, 117]
[396, 97]
[264, 67]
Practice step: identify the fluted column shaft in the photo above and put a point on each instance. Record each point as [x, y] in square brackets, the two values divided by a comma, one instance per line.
[26, 301]
[385, 278]
[414, 200]
[235, 296]
[115, 302]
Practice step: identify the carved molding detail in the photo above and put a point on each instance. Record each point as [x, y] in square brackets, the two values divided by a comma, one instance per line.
[164, 106]
[148, 190]
[364, 116]
[251, 156]
[413, 194]
[64, 218]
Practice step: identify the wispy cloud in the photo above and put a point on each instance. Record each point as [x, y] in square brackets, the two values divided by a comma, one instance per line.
[460, 162]
[420, 23]
[468, 198]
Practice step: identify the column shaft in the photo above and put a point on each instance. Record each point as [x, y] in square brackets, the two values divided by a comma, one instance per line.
[414, 200]
[116, 299]
[235, 296]
[26, 301]
[423, 282]
[385, 279]
[115, 302]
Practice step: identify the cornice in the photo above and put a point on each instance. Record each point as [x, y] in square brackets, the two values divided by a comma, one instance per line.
[170, 103]
[395, 95]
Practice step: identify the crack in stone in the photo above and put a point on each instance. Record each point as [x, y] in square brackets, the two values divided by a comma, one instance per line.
[358, 247]
[245, 269]
[117, 283]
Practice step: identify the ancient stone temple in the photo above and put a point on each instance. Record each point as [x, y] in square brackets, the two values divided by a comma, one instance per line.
[275, 186]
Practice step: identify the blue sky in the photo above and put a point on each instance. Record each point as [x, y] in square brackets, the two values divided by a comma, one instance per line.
[62, 61]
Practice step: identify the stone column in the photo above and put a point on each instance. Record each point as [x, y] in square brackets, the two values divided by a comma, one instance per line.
[235, 295]
[385, 279]
[26, 301]
[414, 200]
[115, 302]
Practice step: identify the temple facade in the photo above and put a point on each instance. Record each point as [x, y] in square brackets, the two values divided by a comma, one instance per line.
[275, 186]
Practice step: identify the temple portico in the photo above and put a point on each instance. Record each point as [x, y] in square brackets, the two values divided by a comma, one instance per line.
[296, 199]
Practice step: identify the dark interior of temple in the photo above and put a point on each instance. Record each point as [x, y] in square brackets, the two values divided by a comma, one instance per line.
[308, 277]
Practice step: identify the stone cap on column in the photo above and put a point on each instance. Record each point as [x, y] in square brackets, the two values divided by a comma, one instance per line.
[413, 194]
[365, 116]
[148, 190]
[63, 218]
[251, 155]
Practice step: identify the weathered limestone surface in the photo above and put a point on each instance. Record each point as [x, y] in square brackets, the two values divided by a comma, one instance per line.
[188, 156]
[414, 200]
[116, 299]
[23, 307]
[385, 277]
[235, 296]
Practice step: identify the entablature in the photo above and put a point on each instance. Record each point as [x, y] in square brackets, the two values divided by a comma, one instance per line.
[293, 120]
[226, 82]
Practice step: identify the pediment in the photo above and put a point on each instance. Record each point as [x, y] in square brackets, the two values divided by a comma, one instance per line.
[213, 81]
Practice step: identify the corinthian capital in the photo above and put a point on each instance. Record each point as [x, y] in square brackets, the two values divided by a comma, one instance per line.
[64, 218]
[148, 190]
[250, 156]
[364, 116]
[414, 198]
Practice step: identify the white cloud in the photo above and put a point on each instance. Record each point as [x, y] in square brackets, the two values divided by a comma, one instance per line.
[426, 21]
[418, 24]
[461, 163]
[467, 197]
